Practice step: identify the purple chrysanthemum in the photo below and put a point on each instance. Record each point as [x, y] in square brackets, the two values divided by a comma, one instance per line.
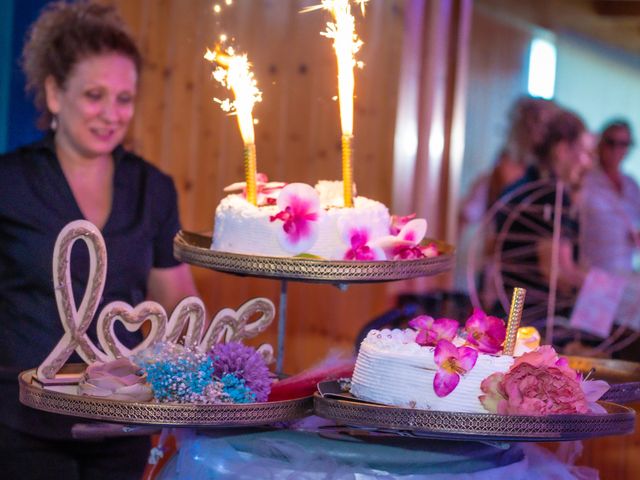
[244, 362]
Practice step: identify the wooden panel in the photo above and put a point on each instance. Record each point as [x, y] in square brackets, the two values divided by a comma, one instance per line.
[180, 129]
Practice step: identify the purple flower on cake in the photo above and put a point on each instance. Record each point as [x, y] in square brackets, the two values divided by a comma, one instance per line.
[246, 364]
[484, 332]
[452, 362]
[431, 331]
[267, 191]
[540, 383]
[300, 213]
[357, 237]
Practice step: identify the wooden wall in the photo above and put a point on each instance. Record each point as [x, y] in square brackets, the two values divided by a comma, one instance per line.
[179, 128]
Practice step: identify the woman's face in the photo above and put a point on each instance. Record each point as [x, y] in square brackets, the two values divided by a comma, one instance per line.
[613, 147]
[574, 159]
[95, 106]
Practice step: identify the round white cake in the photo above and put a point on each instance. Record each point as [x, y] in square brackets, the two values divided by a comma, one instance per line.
[241, 227]
[393, 369]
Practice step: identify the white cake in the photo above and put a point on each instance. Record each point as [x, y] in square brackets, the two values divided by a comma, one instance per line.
[241, 227]
[393, 369]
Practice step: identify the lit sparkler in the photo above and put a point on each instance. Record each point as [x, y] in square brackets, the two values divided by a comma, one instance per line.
[234, 72]
[346, 44]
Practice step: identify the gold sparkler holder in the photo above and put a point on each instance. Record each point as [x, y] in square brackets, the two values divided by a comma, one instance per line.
[515, 314]
[250, 172]
[347, 170]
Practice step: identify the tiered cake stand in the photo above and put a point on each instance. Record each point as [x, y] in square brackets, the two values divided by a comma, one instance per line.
[339, 406]
[195, 249]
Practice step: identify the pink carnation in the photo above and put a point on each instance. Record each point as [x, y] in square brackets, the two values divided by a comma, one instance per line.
[539, 383]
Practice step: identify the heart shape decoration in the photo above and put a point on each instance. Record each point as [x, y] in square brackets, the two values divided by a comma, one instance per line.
[132, 318]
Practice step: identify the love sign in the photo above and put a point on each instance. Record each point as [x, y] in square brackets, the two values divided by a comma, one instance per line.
[228, 325]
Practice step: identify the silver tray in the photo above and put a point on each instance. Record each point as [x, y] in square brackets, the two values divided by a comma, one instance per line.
[193, 248]
[622, 375]
[618, 420]
[165, 414]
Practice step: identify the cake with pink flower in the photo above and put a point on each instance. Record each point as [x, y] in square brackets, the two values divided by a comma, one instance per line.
[298, 219]
[436, 365]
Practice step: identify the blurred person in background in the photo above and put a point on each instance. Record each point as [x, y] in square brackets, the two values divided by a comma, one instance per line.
[610, 206]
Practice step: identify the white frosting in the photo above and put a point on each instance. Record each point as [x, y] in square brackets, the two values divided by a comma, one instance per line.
[392, 369]
[241, 227]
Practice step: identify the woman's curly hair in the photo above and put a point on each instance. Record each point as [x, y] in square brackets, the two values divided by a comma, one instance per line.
[63, 35]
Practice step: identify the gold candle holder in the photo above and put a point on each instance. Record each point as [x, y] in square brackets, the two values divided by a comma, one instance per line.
[250, 172]
[347, 171]
[515, 315]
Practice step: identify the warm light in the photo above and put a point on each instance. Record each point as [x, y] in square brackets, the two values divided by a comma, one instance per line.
[223, 38]
[346, 44]
[217, 8]
[228, 2]
[234, 72]
[542, 69]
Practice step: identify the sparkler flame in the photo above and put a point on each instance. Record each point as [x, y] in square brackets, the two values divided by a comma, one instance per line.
[234, 72]
[346, 44]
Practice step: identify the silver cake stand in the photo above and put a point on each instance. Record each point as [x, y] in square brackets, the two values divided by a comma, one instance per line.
[34, 395]
[194, 248]
[345, 409]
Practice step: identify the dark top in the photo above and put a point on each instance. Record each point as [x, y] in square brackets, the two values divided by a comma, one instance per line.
[528, 217]
[36, 202]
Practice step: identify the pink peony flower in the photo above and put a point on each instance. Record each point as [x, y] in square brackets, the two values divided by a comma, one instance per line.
[430, 331]
[267, 192]
[357, 238]
[117, 380]
[540, 383]
[300, 214]
[453, 362]
[484, 332]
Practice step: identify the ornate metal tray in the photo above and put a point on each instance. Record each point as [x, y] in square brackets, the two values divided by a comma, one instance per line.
[623, 376]
[194, 248]
[164, 414]
[618, 420]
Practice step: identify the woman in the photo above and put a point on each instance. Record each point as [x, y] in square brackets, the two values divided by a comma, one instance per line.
[564, 155]
[82, 67]
[610, 210]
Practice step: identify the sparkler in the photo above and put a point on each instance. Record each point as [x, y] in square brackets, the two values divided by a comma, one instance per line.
[233, 71]
[515, 315]
[346, 44]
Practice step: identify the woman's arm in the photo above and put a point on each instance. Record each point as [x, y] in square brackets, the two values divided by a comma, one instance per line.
[168, 286]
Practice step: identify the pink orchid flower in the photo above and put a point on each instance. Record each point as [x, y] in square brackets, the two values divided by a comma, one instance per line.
[267, 191]
[397, 222]
[405, 245]
[593, 390]
[430, 331]
[357, 237]
[453, 362]
[484, 332]
[300, 214]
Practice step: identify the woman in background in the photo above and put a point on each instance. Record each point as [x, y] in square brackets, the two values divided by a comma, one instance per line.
[610, 206]
[82, 67]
